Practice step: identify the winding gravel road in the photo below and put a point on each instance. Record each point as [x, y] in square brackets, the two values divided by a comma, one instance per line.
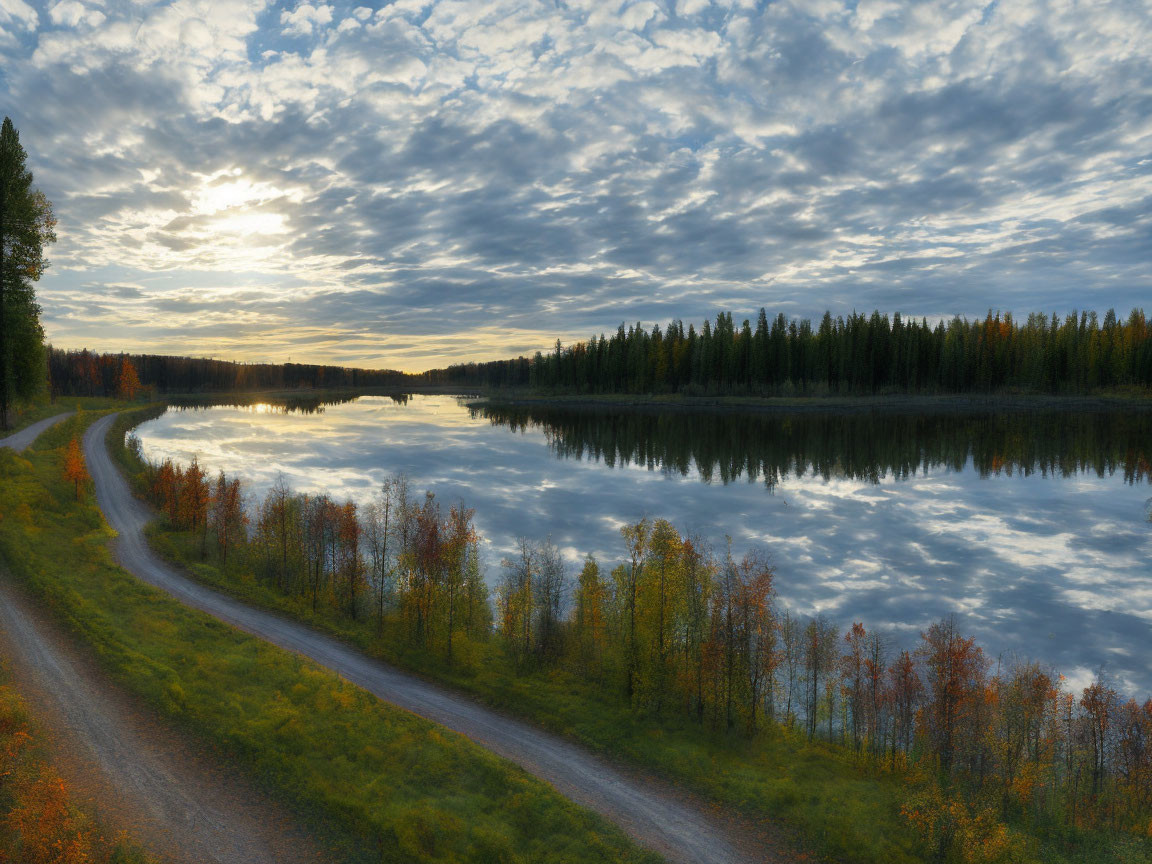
[658, 817]
[23, 439]
[137, 775]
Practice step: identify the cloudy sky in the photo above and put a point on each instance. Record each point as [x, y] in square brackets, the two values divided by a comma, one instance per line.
[407, 184]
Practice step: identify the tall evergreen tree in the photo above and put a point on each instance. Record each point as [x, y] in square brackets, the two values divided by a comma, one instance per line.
[26, 226]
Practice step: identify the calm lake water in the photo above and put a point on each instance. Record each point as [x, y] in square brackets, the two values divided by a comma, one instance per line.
[1031, 527]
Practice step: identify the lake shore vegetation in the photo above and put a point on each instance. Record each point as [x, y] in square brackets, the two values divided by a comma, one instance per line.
[679, 659]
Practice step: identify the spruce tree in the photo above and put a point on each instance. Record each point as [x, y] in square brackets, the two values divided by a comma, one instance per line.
[26, 227]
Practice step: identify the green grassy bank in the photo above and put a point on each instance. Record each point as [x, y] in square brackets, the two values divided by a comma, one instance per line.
[377, 783]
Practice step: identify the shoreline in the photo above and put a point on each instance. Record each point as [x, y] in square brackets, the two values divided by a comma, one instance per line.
[964, 403]
[889, 404]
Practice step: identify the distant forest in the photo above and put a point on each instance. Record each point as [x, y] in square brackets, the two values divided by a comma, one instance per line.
[860, 354]
[857, 355]
[86, 373]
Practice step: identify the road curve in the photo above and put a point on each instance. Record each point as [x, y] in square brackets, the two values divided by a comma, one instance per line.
[138, 776]
[23, 439]
[657, 817]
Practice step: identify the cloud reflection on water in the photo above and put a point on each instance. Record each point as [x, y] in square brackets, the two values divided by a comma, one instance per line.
[1052, 565]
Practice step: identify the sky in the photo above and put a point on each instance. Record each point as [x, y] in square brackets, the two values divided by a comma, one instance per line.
[410, 184]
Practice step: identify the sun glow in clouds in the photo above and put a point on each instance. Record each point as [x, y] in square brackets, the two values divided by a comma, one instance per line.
[426, 176]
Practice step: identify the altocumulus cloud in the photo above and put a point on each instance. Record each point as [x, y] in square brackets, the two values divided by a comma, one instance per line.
[416, 182]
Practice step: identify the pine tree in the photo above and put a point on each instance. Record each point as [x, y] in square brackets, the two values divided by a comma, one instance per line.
[26, 226]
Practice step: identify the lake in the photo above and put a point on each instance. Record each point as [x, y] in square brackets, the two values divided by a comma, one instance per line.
[1031, 527]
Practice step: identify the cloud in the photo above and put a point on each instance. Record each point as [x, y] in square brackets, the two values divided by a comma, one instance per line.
[555, 170]
[19, 14]
[305, 19]
[69, 13]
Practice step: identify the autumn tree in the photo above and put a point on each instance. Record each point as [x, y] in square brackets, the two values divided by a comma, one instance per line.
[128, 384]
[349, 563]
[905, 691]
[427, 555]
[955, 668]
[1133, 755]
[1020, 695]
[458, 543]
[756, 627]
[75, 469]
[791, 664]
[659, 590]
[278, 531]
[589, 615]
[516, 598]
[550, 591]
[820, 660]
[381, 518]
[1099, 704]
[878, 707]
[318, 524]
[477, 611]
[697, 573]
[723, 641]
[194, 499]
[227, 515]
[853, 670]
[627, 588]
[165, 483]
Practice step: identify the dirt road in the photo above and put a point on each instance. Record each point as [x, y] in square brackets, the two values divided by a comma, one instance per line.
[138, 775]
[23, 439]
[657, 817]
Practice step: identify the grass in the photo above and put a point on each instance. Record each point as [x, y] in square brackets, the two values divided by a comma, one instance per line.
[839, 807]
[378, 783]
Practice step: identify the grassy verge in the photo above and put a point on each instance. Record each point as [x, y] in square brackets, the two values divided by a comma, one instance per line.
[39, 822]
[380, 783]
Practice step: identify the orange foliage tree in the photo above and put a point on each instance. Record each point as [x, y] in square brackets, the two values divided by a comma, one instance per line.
[128, 384]
[194, 502]
[75, 470]
[39, 823]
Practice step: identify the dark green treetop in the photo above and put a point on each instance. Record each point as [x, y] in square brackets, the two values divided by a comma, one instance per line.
[27, 225]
